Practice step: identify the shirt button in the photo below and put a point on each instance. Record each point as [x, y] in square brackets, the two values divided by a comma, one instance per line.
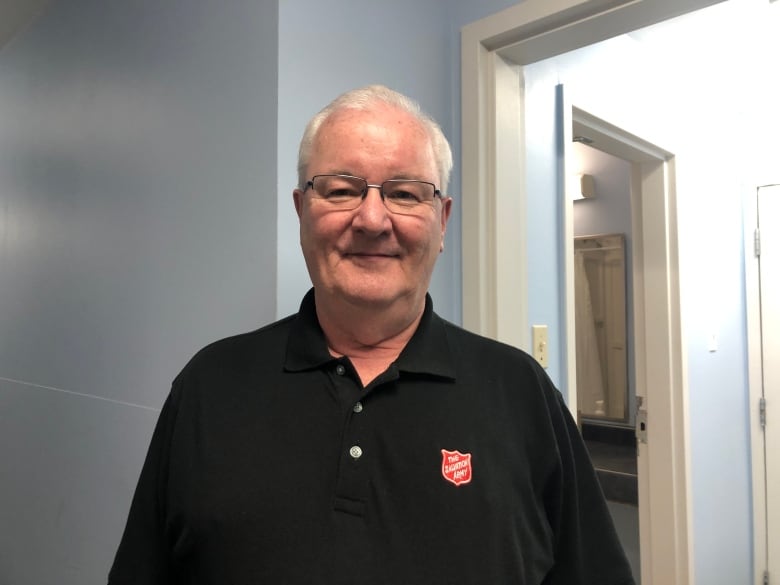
[340, 369]
[355, 452]
[358, 407]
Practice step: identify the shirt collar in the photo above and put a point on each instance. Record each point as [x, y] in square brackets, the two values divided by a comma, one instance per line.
[428, 351]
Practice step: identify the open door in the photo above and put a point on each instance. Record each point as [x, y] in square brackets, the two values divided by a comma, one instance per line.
[763, 281]
[660, 409]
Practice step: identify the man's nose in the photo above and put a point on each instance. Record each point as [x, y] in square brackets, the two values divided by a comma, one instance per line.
[371, 214]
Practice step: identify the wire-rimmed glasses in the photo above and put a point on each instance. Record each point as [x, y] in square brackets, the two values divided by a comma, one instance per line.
[345, 192]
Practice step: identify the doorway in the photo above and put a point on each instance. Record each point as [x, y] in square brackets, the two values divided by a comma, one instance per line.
[494, 53]
[649, 190]
[603, 306]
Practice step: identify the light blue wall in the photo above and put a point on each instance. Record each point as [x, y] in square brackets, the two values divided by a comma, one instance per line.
[326, 48]
[137, 223]
[541, 224]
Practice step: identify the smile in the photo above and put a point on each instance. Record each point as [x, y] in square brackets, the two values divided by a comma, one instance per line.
[368, 256]
[371, 254]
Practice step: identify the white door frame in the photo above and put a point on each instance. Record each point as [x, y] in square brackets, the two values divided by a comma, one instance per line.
[493, 53]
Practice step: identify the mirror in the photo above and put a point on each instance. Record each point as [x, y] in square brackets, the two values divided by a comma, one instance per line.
[600, 327]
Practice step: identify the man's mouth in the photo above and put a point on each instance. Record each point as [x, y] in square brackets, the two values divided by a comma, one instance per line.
[372, 254]
[367, 256]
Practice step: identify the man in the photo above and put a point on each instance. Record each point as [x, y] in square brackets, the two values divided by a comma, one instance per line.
[364, 439]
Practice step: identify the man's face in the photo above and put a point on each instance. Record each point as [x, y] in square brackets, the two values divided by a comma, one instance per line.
[370, 256]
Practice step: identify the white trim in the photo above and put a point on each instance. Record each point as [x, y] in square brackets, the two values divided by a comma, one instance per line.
[492, 300]
[509, 205]
[569, 374]
[667, 454]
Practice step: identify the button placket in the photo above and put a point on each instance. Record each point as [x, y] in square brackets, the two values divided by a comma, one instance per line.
[351, 488]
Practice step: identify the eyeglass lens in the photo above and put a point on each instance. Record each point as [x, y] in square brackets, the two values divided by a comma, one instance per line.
[399, 195]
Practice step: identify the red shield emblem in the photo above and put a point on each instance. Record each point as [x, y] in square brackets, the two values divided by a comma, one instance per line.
[456, 466]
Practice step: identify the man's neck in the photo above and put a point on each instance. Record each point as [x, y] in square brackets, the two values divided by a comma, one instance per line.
[372, 338]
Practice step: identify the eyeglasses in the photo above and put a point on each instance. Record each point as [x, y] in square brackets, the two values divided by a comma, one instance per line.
[345, 192]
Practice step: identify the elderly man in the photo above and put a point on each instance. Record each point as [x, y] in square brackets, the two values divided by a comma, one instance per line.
[365, 440]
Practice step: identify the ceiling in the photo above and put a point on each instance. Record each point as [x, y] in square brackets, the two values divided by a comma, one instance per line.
[15, 15]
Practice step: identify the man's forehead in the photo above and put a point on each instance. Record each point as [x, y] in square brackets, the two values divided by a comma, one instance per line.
[379, 114]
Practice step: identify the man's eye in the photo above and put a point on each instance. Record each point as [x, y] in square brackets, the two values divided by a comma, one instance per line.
[342, 193]
[403, 196]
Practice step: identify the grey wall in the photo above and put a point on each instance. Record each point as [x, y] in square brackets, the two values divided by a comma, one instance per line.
[137, 223]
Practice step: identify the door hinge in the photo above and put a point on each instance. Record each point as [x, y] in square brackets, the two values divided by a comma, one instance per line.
[762, 412]
[766, 577]
[757, 243]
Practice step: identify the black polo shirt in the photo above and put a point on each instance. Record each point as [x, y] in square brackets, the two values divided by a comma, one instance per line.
[271, 464]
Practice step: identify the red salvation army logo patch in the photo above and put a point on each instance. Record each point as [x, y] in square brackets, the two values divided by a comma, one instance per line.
[456, 466]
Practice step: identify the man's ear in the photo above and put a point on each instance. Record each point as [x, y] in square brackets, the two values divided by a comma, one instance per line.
[446, 209]
[298, 200]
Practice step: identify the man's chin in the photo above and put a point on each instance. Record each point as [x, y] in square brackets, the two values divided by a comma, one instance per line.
[376, 296]
[379, 299]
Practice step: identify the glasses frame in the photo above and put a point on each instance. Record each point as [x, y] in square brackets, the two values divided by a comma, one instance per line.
[381, 188]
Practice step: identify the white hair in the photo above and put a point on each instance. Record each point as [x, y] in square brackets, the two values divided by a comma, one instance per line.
[363, 99]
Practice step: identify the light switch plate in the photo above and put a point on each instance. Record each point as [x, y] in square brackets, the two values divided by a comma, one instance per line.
[539, 341]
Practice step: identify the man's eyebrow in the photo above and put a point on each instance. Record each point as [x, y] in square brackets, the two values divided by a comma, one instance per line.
[404, 177]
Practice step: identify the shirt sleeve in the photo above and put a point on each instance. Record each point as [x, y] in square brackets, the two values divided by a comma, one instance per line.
[587, 548]
[143, 556]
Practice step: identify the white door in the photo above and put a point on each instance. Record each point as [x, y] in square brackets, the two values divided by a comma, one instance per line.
[769, 279]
